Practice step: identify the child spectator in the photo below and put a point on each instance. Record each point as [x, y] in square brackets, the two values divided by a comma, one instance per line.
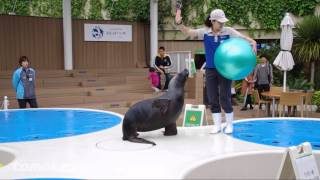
[155, 79]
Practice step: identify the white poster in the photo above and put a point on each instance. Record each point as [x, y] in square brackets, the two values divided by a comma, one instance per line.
[304, 162]
[307, 167]
[108, 32]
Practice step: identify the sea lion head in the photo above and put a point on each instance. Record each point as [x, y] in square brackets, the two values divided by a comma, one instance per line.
[179, 80]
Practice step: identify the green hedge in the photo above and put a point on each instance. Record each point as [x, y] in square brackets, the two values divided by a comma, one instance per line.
[268, 13]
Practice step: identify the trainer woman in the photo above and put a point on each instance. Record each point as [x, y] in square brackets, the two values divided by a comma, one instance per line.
[218, 87]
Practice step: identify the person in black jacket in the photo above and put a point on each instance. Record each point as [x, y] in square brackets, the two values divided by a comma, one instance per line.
[162, 63]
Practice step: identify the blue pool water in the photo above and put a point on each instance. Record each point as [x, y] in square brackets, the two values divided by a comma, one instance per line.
[279, 132]
[51, 179]
[40, 124]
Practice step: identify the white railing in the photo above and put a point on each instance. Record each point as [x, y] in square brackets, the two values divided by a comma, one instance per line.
[178, 60]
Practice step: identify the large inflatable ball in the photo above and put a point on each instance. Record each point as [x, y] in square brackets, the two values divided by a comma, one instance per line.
[235, 58]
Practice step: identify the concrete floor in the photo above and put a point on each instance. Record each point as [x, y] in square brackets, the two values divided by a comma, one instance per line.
[104, 155]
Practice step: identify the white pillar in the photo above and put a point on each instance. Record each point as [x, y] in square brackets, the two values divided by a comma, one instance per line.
[67, 35]
[284, 81]
[153, 30]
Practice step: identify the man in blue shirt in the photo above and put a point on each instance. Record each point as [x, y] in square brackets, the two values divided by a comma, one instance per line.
[23, 82]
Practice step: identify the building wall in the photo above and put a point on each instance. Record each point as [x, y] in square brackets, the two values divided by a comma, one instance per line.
[182, 45]
[41, 39]
[92, 55]
[38, 38]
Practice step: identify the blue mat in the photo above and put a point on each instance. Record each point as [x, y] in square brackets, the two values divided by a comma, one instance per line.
[31, 125]
[281, 133]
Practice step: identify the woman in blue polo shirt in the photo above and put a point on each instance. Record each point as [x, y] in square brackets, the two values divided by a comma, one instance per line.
[218, 87]
[23, 82]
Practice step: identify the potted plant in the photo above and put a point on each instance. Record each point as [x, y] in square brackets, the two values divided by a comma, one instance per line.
[316, 100]
[299, 84]
[306, 46]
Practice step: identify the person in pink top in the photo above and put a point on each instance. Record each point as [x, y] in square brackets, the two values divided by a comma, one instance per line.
[155, 80]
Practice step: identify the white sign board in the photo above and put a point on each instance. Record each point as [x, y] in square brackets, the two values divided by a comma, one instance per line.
[304, 162]
[108, 32]
[299, 163]
[194, 115]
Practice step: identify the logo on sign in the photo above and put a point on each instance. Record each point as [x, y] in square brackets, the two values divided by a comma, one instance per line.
[97, 32]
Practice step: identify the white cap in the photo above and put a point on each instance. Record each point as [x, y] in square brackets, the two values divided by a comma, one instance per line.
[218, 15]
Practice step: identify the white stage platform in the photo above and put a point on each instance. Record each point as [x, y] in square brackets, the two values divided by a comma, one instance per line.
[103, 155]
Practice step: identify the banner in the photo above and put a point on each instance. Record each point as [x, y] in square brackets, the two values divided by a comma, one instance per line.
[108, 32]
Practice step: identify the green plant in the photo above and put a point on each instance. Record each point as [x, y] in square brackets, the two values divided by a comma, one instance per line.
[299, 83]
[137, 10]
[164, 9]
[306, 46]
[237, 86]
[316, 100]
[140, 10]
[272, 51]
[317, 76]
[19, 8]
[78, 8]
[51, 8]
[95, 10]
[118, 10]
[268, 13]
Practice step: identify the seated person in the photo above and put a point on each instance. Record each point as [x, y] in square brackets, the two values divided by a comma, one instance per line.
[162, 62]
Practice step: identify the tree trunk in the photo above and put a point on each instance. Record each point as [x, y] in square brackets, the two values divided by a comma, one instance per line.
[312, 72]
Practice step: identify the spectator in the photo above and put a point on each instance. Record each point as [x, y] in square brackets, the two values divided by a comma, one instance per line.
[247, 90]
[154, 78]
[23, 82]
[263, 75]
[162, 63]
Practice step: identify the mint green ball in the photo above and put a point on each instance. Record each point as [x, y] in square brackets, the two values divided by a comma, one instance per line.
[235, 58]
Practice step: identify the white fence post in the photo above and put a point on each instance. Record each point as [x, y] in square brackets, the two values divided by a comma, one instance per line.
[178, 60]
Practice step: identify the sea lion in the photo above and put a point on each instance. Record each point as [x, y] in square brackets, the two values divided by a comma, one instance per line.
[156, 113]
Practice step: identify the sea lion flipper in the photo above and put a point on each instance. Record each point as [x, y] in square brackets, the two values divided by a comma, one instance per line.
[140, 140]
[162, 104]
[170, 130]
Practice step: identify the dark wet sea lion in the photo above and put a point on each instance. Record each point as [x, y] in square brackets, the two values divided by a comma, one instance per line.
[156, 113]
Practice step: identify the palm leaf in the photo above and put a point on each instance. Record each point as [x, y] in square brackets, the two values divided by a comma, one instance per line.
[306, 46]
